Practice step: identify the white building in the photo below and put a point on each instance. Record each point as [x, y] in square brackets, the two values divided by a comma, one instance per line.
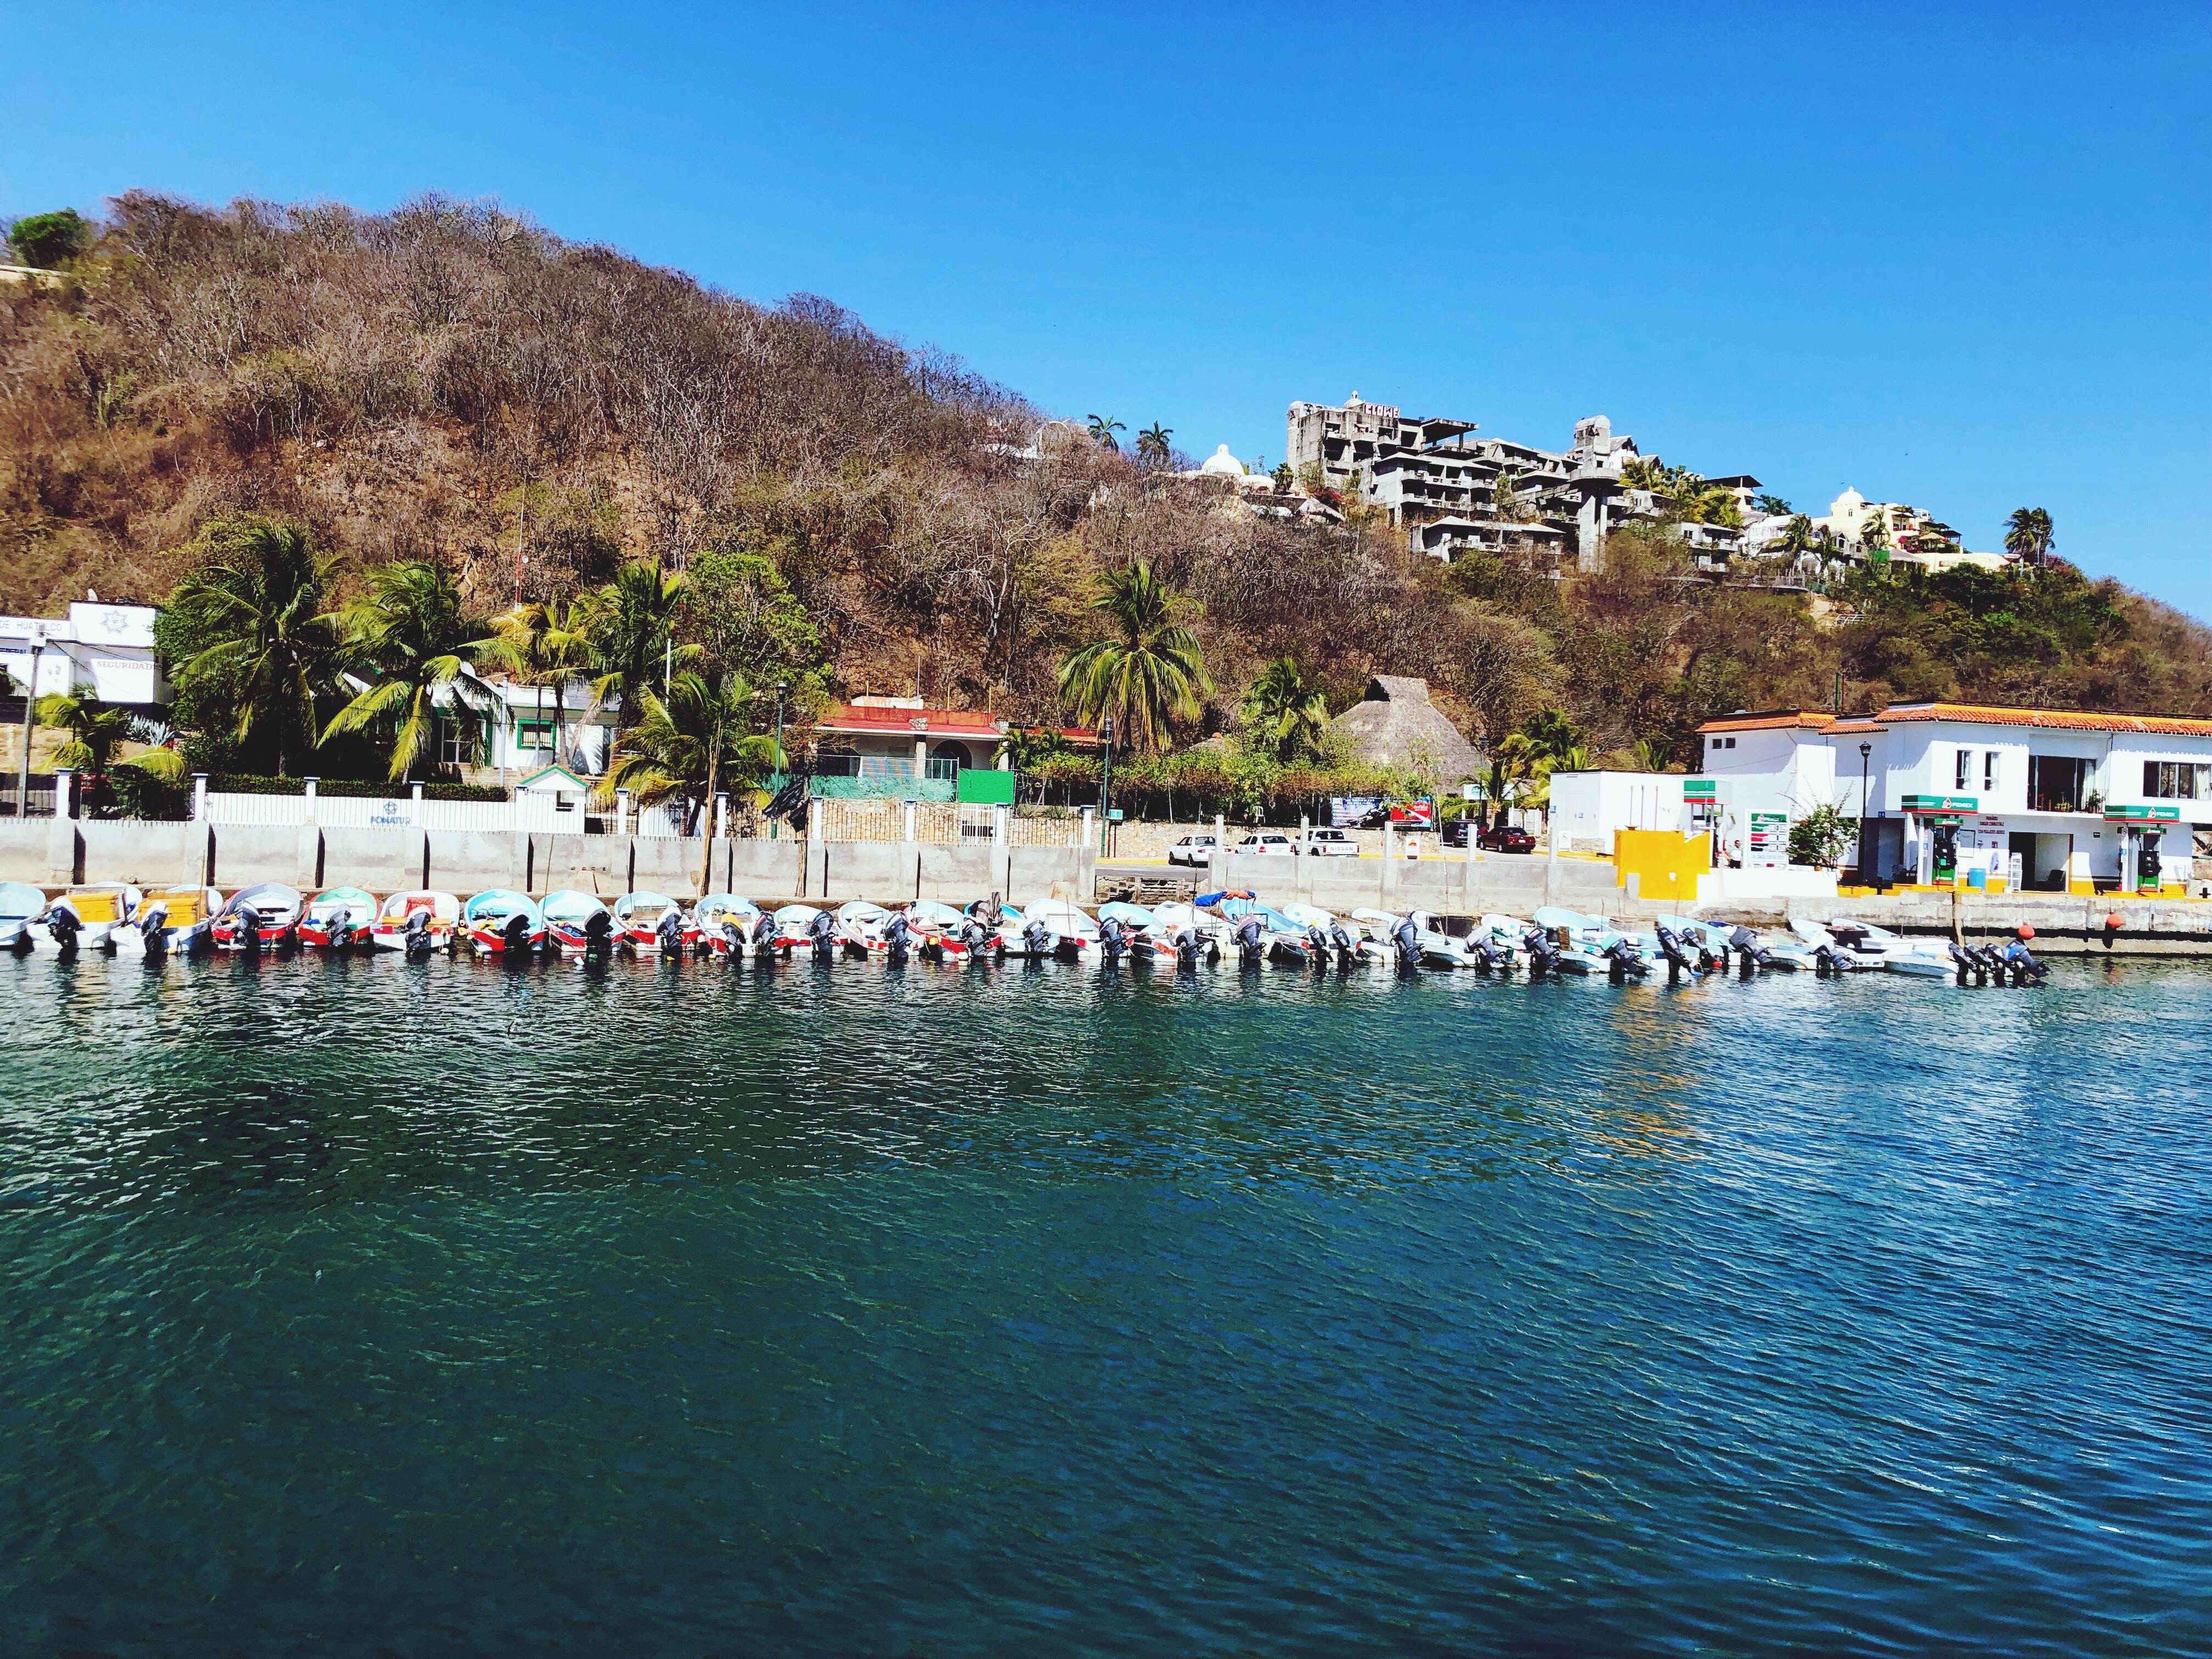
[1587, 808]
[2071, 800]
[108, 647]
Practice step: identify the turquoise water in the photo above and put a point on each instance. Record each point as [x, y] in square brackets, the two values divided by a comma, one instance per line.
[363, 1307]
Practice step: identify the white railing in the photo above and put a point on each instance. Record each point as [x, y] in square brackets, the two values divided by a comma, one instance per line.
[533, 813]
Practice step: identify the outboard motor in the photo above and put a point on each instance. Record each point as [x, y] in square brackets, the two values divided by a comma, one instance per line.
[896, 934]
[247, 920]
[1317, 945]
[419, 942]
[1542, 951]
[1489, 955]
[1408, 939]
[1248, 948]
[599, 933]
[979, 939]
[1622, 958]
[1671, 947]
[1036, 940]
[342, 931]
[64, 925]
[822, 930]
[514, 934]
[1711, 954]
[1113, 939]
[668, 931]
[1185, 941]
[154, 927]
[733, 941]
[1752, 954]
[1340, 941]
[1831, 959]
[2022, 963]
[763, 936]
[1970, 960]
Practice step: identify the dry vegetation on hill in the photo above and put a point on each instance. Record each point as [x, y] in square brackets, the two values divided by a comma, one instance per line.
[448, 381]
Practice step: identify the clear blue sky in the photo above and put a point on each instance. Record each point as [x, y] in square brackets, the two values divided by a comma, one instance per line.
[1957, 256]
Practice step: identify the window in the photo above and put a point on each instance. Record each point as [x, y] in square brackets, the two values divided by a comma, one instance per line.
[1989, 769]
[1965, 774]
[457, 743]
[2056, 783]
[2177, 780]
[534, 737]
[838, 766]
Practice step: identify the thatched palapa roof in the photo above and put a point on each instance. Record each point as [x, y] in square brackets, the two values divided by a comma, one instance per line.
[1396, 717]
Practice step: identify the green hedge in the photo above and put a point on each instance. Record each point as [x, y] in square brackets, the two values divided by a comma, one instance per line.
[242, 783]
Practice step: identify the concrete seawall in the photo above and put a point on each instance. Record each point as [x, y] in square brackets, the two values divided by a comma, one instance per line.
[54, 852]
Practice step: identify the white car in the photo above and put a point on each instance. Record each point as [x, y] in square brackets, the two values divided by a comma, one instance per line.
[1192, 850]
[1270, 845]
[1331, 843]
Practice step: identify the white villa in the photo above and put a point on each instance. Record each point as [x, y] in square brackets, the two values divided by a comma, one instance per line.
[2059, 800]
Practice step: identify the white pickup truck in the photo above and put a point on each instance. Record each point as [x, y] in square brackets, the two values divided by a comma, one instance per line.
[1330, 843]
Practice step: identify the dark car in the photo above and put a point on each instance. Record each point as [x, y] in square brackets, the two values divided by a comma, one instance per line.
[1457, 832]
[1505, 838]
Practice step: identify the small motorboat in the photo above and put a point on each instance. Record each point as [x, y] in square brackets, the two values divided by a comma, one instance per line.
[798, 925]
[1280, 939]
[501, 922]
[653, 924]
[577, 924]
[861, 928]
[1075, 935]
[1182, 936]
[417, 923]
[1437, 948]
[22, 905]
[1844, 945]
[262, 917]
[937, 929]
[170, 922]
[1328, 939]
[338, 918]
[88, 917]
[728, 925]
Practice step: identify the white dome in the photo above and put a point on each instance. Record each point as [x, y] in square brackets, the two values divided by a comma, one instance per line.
[1223, 464]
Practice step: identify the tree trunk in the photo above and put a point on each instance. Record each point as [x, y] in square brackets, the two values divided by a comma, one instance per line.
[707, 852]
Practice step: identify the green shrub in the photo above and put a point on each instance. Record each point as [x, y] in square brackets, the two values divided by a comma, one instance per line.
[246, 783]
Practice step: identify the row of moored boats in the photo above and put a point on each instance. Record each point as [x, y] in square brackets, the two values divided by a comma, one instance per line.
[500, 922]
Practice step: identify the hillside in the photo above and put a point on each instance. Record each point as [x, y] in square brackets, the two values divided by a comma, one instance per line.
[449, 382]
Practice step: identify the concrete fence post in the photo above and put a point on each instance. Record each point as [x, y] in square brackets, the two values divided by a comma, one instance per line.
[199, 797]
[721, 815]
[1000, 819]
[1220, 831]
[622, 811]
[907, 835]
[308, 797]
[1084, 840]
[415, 805]
[64, 793]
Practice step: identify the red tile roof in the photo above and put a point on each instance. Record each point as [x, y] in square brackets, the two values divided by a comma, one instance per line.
[1811, 720]
[2066, 719]
[980, 724]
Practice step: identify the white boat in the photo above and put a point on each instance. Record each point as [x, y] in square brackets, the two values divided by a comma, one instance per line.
[170, 922]
[1862, 945]
[639, 926]
[1437, 948]
[1344, 940]
[795, 926]
[1075, 935]
[20, 906]
[861, 928]
[725, 922]
[1183, 934]
[442, 912]
[87, 917]
[577, 923]
[266, 917]
[934, 928]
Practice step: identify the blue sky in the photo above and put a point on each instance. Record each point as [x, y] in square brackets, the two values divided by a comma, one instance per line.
[1954, 255]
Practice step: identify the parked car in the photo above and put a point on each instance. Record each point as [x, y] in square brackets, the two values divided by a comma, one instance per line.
[1457, 833]
[1271, 843]
[1330, 843]
[1192, 850]
[1503, 837]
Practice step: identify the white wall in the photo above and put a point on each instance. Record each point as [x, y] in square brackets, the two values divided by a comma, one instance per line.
[1589, 806]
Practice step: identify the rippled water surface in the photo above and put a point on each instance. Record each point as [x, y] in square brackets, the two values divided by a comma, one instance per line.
[362, 1306]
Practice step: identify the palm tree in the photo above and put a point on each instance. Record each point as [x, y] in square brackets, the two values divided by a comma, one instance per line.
[1149, 675]
[1102, 429]
[2027, 535]
[1874, 534]
[1652, 755]
[1287, 709]
[689, 745]
[1772, 506]
[1152, 441]
[542, 645]
[628, 627]
[96, 729]
[1552, 735]
[248, 627]
[411, 631]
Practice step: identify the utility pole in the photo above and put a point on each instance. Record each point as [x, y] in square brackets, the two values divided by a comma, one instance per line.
[1865, 751]
[30, 724]
[781, 686]
[1105, 779]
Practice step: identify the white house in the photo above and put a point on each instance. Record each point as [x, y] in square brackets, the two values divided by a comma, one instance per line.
[2067, 801]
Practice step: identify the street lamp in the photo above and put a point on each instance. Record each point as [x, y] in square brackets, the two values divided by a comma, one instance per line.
[30, 724]
[1866, 749]
[1105, 778]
